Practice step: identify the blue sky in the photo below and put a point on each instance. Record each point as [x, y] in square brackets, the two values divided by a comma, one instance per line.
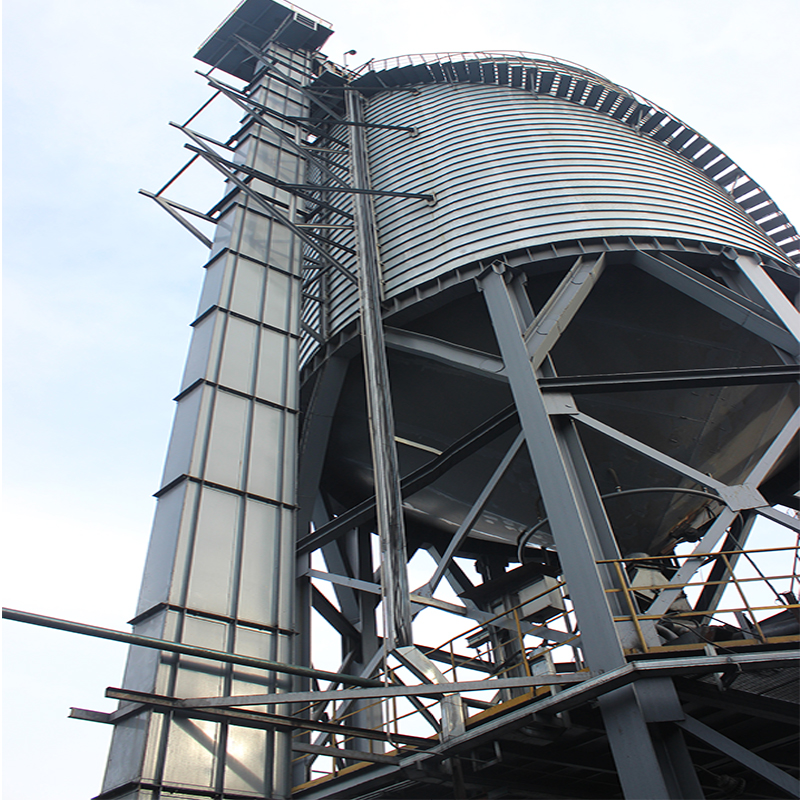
[100, 284]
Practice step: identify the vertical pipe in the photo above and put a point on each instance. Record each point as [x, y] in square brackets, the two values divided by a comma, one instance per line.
[388, 500]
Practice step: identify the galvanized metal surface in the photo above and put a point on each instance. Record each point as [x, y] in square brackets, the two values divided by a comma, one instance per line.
[535, 169]
[220, 570]
[511, 169]
[545, 76]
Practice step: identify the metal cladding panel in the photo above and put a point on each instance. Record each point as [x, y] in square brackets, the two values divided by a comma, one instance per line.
[511, 170]
[225, 524]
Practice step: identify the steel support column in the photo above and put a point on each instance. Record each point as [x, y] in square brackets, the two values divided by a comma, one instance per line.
[775, 299]
[649, 765]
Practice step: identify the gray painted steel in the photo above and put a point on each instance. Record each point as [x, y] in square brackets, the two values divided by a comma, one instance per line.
[648, 765]
[630, 322]
[516, 170]
[513, 170]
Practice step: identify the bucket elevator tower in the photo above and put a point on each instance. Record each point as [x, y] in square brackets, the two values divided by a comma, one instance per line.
[501, 319]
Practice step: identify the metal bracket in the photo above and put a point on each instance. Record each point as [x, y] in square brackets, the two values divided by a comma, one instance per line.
[218, 164]
[452, 706]
[170, 206]
[742, 497]
[559, 403]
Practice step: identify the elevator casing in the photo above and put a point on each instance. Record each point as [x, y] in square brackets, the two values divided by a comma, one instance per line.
[585, 321]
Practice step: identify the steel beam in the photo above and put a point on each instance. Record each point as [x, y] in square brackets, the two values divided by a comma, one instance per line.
[648, 766]
[737, 497]
[345, 708]
[757, 705]
[718, 298]
[454, 575]
[773, 296]
[671, 379]
[752, 301]
[571, 697]
[472, 515]
[716, 585]
[248, 105]
[254, 719]
[565, 509]
[183, 649]
[432, 689]
[215, 161]
[670, 593]
[561, 307]
[778, 516]
[775, 450]
[314, 436]
[777, 777]
[414, 481]
[266, 58]
[469, 611]
[337, 561]
[453, 355]
[490, 366]
[346, 754]
[170, 206]
[344, 580]
[333, 616]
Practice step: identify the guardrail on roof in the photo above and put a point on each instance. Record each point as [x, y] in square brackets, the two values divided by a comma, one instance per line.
[545, 75]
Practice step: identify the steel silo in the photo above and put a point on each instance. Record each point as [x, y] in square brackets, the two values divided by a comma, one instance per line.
[534, 163]
[496, 309]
